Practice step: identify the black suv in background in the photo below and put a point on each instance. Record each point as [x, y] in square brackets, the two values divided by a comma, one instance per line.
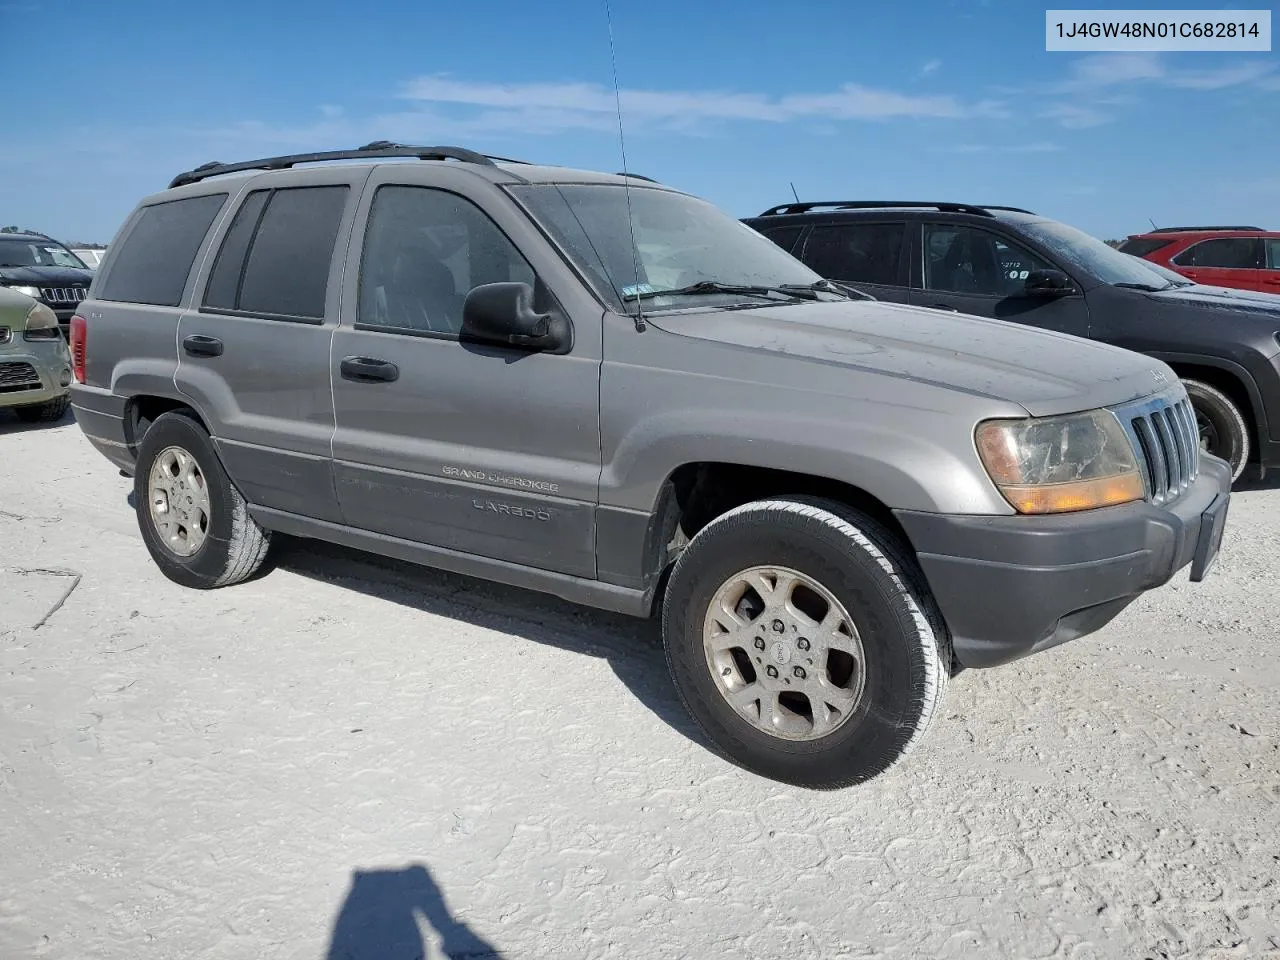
[1011, 264]
[44, 269]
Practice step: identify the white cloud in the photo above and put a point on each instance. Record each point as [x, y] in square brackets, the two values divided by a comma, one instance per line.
[1035, 146]
[544, 107]
[930, 67]
[1227, 76]
[1075, 116]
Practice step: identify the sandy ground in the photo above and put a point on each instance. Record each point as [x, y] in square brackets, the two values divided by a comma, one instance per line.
[352, 758]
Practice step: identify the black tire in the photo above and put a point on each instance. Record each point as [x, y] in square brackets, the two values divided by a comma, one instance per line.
[234, 546]
[907, 649]
[50, 411]
[1223, 430]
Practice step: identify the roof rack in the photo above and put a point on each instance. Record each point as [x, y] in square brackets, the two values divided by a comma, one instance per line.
[979, 210]
[1186, 229]
[635, 176]
[378, 150]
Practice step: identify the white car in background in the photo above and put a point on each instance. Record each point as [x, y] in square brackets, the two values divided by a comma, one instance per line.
[91, 258]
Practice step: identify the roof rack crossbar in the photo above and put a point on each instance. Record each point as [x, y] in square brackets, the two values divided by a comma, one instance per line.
[805, 207]
[1187, 229]
[378, 150]
[636, 176]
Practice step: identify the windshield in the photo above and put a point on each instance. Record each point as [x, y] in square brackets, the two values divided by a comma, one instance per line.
[37, 253]
[680, 241]
[1177, 279]
[1089, 254]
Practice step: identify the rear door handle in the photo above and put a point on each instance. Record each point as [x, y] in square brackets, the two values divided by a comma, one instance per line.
[198, 346]
[368, 370]
[941, 306]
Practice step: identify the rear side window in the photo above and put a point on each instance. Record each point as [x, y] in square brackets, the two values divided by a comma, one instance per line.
[155, 258]
[1273, 254]
[1239, 253]
[1141, 246]
[785, 237]
[858, 252]
[275, 259]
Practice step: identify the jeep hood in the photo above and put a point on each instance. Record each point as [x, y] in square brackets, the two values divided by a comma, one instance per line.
[45, 276]
[1042, 371]
[1221, 298]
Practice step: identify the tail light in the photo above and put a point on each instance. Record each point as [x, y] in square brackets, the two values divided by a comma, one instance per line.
[78, 338]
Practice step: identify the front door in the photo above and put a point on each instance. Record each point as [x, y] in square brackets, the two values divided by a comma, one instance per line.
[972, 270]
[1224, 262]
[488, 450]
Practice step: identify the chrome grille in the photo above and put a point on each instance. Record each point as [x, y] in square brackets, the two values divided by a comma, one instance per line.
[63, 294]
[17, 375]
[1168, 442]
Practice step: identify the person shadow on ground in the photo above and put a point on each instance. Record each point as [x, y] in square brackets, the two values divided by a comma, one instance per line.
[379, 919]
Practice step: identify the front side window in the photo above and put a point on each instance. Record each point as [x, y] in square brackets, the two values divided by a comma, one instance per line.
[857, 252]
[424, 251]
[656, 241]
[1229, 253]
[963, 259]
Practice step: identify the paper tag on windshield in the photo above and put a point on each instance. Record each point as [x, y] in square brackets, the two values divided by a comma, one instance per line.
[636, 289]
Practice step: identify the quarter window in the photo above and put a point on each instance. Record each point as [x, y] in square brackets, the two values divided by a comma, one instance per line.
[961, 259]
[857, 252]
[1229, 253]
[424, 251]
[1273, 254]
[155, 257]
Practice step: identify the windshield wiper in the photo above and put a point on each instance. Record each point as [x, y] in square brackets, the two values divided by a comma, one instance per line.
[830, 286]
[1150, 288]
[798, 292]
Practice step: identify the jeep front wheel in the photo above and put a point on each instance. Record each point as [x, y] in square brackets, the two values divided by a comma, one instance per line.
[1223, 431]
[801, 637]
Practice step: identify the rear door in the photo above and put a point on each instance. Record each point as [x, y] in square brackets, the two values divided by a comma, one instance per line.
[970, 269]
[489, 450]
[254, 349]
[871, 255]
[1224, 262]
[1270, 279]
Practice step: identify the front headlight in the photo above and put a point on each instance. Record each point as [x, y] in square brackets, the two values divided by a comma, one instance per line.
[42, 324]
[29, 291]
[1061, 464]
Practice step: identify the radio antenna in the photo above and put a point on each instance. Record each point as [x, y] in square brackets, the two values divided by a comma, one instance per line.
[626, 179]
[793, 192]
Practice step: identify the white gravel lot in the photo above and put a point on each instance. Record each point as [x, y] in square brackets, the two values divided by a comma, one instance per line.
[354, 758]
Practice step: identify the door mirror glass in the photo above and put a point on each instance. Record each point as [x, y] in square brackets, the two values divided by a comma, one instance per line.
[1048, 283]
[503, 313]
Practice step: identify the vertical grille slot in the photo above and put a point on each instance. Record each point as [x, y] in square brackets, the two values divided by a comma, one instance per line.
[1169, 444]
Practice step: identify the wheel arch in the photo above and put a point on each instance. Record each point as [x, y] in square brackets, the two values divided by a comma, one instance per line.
[1233, 380]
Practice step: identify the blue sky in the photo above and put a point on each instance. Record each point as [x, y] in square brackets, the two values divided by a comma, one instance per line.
[931, 99]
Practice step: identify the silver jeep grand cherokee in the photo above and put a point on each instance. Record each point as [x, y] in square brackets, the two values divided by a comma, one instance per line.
[605, 389]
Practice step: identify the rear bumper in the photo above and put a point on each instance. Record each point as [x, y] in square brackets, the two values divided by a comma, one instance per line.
[1015, 585]
[102, 417]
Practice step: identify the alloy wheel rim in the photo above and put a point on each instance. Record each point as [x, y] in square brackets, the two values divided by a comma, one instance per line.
[784, 653]
[178, 497]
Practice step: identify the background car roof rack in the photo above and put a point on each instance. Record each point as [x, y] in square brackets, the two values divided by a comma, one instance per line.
[636, 176]
[1187, 229]
[805, 207]
[379, 149]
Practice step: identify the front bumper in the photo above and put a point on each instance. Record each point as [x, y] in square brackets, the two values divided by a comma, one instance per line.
[1015, 585]
[52, 365]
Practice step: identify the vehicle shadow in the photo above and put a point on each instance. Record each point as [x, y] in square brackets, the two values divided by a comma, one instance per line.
[9, 422]
[379, 919]
[631, 646]
[1249, 483]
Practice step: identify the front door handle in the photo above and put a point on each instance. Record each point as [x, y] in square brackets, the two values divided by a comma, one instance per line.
[368, 370]
[941, 306]
[198, 346]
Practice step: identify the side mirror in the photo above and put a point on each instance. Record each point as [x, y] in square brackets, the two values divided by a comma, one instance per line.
[503, 313]
[1048, 283]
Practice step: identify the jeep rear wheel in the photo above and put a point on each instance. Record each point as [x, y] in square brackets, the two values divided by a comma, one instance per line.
[1223, 431]
[193, 520]
[801, 637]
